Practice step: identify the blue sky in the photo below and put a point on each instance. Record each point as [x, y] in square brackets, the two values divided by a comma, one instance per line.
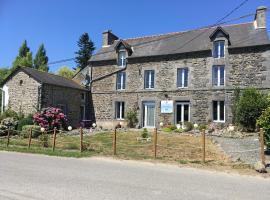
[59, 23]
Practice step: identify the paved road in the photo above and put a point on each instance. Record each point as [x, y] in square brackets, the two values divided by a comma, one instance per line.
[29, 177]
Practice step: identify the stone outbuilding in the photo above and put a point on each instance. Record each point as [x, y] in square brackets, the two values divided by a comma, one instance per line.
[27, 91]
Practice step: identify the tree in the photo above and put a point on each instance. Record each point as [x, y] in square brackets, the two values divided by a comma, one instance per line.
[86, 48]
[66, 72]
[4, 72]
[249, 108]
[24, 58]
[41, 59]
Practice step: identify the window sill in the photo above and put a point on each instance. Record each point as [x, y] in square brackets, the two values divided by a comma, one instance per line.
[149, 88]
[218, 121]
[182, 87]
[119, 119]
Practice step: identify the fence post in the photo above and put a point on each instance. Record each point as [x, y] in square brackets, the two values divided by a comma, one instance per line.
[114, 142]
[155, 143]
[262, 146]
[8, 136]
[81, 138]
[54, 138]
[30, 138]
[203, 145]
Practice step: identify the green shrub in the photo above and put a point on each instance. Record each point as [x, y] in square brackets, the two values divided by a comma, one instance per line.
[131, 117]
[144, 133]
[8, 123]
[26, 130]
[44, 140]
[202, 126]
[167, 129]
[188, 126]
[179, 130]
[10, 114]
[249, 108]
[264, 122]
[25, 121]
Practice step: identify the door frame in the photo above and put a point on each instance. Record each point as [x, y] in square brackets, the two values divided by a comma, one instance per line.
[182, 103]
[144, 103]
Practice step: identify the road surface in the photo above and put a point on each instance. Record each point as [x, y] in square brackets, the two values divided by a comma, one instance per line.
[38, 177]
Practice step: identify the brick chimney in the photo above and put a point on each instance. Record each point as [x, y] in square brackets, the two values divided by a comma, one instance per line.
[108, 38]
[260, 17]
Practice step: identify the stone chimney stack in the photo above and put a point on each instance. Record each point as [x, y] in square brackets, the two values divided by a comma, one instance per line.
[108, 38]
[260, 17]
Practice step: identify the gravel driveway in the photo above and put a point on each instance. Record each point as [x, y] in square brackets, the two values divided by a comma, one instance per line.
[241, 149]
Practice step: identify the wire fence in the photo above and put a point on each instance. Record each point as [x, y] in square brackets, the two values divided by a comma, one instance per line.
[158, 146]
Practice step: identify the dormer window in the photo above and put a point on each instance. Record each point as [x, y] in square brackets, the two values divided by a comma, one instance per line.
[123, 50]
[122, 58]
[219, 49]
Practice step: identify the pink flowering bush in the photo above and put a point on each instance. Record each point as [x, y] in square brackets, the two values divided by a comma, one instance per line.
[50, 117]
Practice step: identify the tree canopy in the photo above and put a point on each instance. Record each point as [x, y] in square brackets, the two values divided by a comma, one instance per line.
[41, 59]
[66, 72]
[24, 58]
[86, 48]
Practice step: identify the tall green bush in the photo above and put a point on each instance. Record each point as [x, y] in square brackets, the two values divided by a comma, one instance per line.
[132, 118]
[249, 108]
[26, 130]
[264, 122]
[25, 121]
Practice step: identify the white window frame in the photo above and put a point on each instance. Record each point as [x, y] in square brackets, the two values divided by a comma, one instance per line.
[121, 104]
[122, 59]
[183, 78]
[218, 76]
[150, 78]
[218, 112]
[122, 81]
[219, 48]
[182, 104]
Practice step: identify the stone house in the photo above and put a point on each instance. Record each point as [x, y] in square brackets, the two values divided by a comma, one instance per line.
[177, 77]
[27, 90]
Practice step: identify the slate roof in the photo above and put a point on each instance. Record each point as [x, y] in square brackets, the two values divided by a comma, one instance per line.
[46, 78]
[241, 35]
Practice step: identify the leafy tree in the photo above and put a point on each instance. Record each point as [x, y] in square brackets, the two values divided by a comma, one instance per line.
[4, 72]
[249, 108]
[24, 58]
[264, 122]
[41, 59]
[66, 72]
[86, 48]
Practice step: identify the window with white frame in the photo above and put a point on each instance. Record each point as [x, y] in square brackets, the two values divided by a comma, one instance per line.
[122, 58]
[218, 111]
[149, 79]
[121, 81]
[219, 49]
[182, 77]
[218, 75]
[119, 110]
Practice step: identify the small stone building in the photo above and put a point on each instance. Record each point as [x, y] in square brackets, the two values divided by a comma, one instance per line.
[27, 90]
[178, 77]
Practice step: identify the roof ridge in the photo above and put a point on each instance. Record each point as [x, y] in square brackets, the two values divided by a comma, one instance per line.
[177, 32]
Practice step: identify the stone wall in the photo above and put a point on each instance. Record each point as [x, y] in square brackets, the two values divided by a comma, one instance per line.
[23, 93]
[69, 98]
[247, 67]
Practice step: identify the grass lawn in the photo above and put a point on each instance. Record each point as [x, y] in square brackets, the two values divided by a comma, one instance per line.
[171, 147]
